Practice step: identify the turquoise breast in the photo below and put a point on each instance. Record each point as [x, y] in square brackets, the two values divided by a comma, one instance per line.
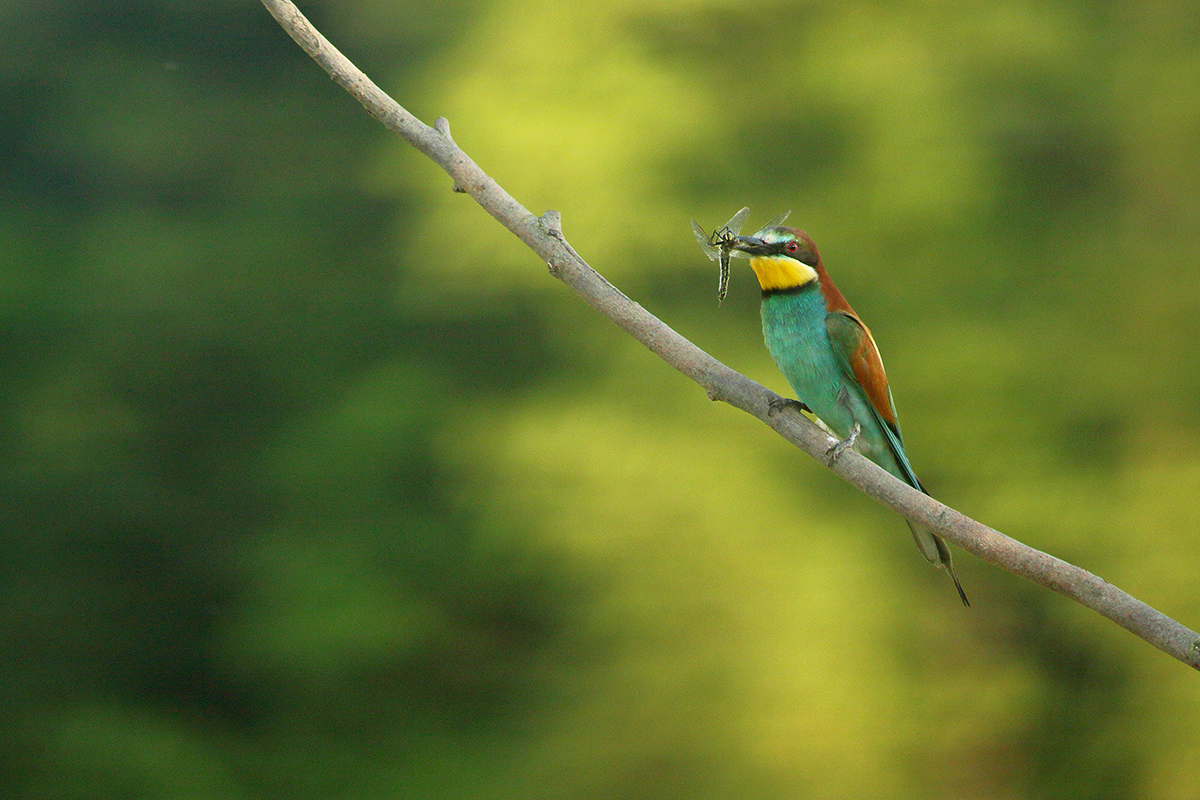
[796, 336]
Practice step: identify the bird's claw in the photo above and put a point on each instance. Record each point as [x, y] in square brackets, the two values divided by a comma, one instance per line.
[777, 404]
[835, 451]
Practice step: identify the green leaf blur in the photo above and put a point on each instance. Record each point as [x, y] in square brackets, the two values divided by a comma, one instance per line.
[315, 485]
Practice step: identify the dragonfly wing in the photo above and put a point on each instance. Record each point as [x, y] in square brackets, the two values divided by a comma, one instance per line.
[734, 226]
[775, 223]
[702, 239]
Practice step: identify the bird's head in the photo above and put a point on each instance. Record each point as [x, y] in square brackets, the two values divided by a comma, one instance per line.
[782, 258]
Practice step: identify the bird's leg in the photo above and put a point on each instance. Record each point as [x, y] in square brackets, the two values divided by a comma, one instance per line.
[838, 448]
[777, 404]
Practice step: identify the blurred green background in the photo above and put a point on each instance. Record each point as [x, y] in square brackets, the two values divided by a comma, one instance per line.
[315, 485]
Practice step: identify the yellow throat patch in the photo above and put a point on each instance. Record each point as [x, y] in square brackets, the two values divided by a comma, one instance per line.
[776, 273]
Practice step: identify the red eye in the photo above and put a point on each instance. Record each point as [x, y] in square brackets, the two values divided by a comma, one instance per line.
[792, 247]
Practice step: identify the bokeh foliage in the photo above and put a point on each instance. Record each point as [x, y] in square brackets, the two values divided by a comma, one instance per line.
[316, 486]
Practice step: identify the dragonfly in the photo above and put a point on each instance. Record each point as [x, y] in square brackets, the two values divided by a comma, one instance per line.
[719, 246]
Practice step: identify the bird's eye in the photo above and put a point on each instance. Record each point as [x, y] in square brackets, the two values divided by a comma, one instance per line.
[792, 247]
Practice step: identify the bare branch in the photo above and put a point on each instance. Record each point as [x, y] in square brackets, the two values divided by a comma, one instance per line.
[544, 236]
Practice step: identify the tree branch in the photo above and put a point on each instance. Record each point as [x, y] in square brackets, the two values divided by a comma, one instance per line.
[544, 236]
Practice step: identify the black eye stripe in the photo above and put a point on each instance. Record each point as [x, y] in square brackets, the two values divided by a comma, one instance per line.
[797, 251]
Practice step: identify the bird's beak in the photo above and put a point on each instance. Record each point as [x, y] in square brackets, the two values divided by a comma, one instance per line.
[751, 246]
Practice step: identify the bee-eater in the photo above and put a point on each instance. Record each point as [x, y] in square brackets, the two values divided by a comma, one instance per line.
[829, 358]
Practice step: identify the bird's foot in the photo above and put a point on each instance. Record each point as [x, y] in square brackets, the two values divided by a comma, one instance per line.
[836, 450]
[777, 404]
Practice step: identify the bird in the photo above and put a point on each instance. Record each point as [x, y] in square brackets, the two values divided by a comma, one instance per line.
[830, 360]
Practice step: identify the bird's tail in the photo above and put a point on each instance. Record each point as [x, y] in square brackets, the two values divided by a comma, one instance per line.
[938, 554]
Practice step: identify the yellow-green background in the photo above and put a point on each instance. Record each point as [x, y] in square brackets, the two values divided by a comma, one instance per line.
[315, 485]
